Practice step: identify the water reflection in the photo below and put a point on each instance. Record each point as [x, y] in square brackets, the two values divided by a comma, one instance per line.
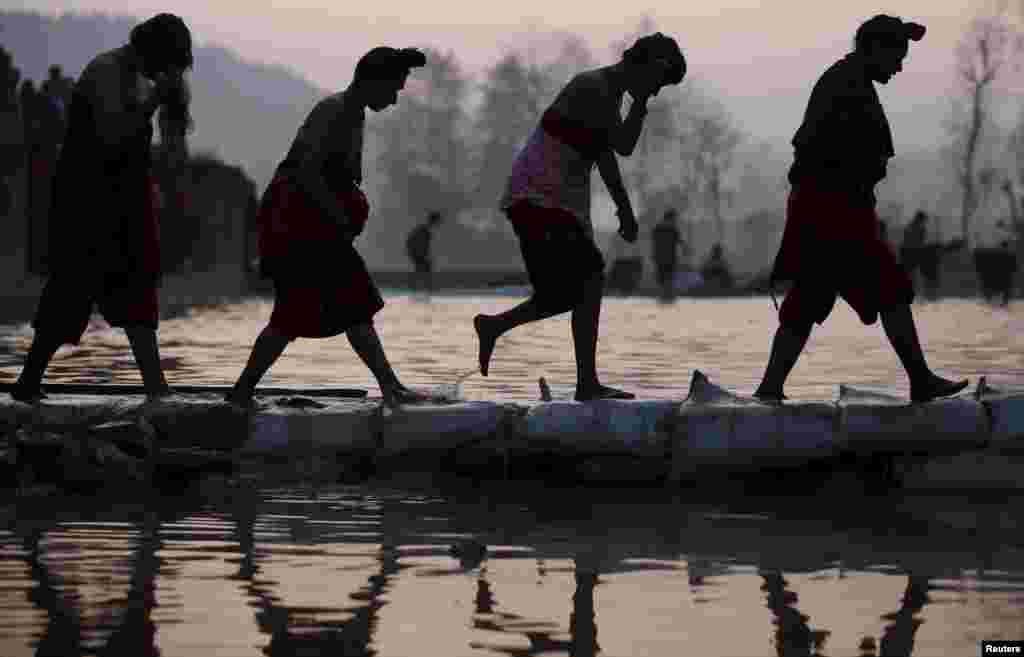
[372, 572]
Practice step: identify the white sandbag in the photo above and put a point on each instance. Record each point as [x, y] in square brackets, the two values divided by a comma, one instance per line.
[876, 421]
[339, 425]
[715, 426]
[438, 426]
[1005, 409]
[615, 425]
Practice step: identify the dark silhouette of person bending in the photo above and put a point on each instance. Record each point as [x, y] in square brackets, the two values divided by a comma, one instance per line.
[310, 214]
[104, 237]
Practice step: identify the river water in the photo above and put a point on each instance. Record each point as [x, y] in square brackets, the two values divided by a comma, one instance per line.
[371, 569]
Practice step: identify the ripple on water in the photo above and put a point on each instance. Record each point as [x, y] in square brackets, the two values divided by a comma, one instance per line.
[647, 347]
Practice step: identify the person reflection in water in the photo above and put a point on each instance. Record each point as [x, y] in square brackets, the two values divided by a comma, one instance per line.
[309, 217]
[831, 244]
[547, 199]
[793, 636]
[104, 237]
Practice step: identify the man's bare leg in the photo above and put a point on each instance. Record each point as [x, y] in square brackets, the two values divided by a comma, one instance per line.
[147, 356]
[368, 347]
[787, 346]
[586, 320]
[266, 350]
[898, 322]
[28, 387]
[491, 327]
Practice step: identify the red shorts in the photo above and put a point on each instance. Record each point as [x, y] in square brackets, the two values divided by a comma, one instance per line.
[307, 311]
[322, 287]
[292, 231]
[560, 258]
[832, 247]
[67, 302]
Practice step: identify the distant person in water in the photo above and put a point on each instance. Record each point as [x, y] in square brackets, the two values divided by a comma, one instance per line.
[417, 247]
[310, 214]
[666, 242]
[104, 244]
[832, 244]
[547, 199]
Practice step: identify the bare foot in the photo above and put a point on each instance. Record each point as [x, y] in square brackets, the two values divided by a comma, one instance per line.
[240, 400]
[487, 339]
[934, 388]
[26, 395]
[397, 395]
[770, 396]
[159, 393]
[601, 392]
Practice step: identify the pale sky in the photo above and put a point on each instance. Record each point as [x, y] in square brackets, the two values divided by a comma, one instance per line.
[759, 58]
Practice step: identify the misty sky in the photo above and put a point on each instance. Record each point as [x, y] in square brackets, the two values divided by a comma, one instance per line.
[759, 58]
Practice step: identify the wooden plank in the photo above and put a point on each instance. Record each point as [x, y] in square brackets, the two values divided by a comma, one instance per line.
[136, 389]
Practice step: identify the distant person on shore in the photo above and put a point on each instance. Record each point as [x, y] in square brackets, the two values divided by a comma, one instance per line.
[992, 239]
[56, 90]
[832, 244]
[666, 243]
[311, 213]
[917, 253]
[716, 269]
[547, 199]
[104, 235]
[417, 247]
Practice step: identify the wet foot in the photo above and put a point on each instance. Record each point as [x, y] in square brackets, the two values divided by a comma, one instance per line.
[399, 394]
[602, 392]
[487, 337]
[161, 392]
[27, 395]
[240, 400]
[770, 396]
[934, 388]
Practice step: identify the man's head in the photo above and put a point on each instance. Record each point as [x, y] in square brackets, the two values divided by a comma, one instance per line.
[883, 41]
[164, 43]
[56, 72]
[381, 74]
[653, 62]
[671, 215]
[920, 217]
[434, 218]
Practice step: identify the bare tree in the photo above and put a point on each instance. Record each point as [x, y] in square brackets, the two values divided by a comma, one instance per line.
[713, 142]
[988, 48]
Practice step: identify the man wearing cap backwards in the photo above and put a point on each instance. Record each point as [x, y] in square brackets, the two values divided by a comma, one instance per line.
[832, 243]
[547, 199]
[103, 232]
[310, 214]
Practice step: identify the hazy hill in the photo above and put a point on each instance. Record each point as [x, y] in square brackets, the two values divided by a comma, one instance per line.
[246, 112]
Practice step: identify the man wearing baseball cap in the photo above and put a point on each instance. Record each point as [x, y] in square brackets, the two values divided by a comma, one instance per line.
[832, 244]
